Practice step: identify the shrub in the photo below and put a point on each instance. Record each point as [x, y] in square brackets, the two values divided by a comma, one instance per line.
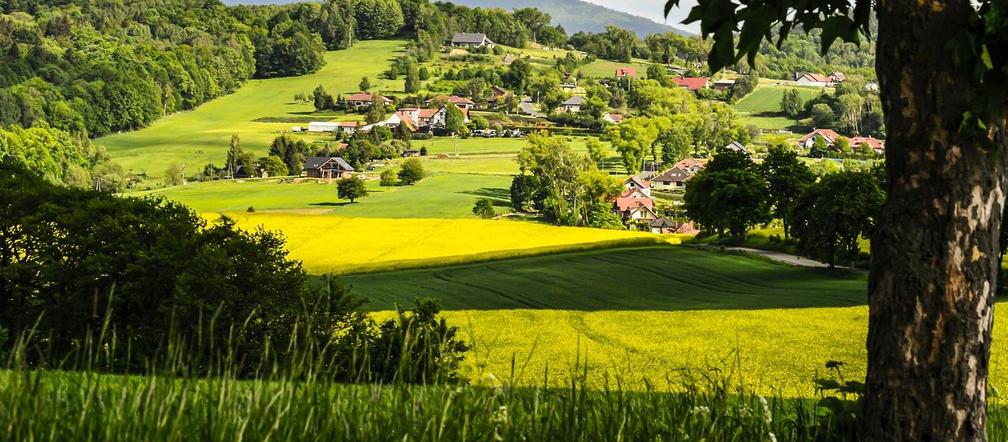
[411, 172]
[484, 208]
[388, 177]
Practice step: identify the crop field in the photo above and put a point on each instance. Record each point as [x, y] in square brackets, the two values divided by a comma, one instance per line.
[762, 107]
[340, 245]
[202, 136]
[438, 196]
[646, 316]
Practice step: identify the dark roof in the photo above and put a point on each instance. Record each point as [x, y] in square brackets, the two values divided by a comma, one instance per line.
[318, 162]
[674, 174]
[576, 100]
[468, 37]
[663, 223]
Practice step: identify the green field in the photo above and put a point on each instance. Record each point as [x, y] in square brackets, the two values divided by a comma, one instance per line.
[607, 68]
[438, 196]
[668, 278]
[761, 107]
[202, 136]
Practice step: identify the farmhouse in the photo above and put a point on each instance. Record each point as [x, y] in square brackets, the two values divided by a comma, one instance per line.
[692, 83]
[691, 165]
[362, 99]
[876, 145]
[429, 117]
[626, 72]
[635, 203]
[664, 225]
[828, 135]
[470, 40]
[500, 94]
[674, 178]
[810, 79]
[327, 167]
[573, 104]
[460, 102]
[723, 85]
[612, 118]
[837, 77]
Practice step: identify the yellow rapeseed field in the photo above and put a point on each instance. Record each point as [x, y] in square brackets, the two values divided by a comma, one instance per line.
[331, 244]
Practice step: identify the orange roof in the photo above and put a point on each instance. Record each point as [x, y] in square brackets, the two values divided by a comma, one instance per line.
[871, 142]
[691, 83]
[829, 134]
[624, 204]
[626, 72]
[688, 163]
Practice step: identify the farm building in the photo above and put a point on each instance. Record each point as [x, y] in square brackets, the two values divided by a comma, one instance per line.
[327, 167]
[723, 85]
[735, 146]
[665, 226]
[429, 117]
[828, 135]
[500, 94]
[692, 83]
[460, 102]
[348, 127]
[672, 179]
[628, 72]
[573, 104]
[837, 77]
[470, 40]
[362, 99]
[810, 79]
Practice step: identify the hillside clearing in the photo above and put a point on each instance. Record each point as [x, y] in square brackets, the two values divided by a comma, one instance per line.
[761, 107]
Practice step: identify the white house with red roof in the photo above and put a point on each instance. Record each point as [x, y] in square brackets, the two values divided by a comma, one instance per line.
[812, 79]
[828, 135]
[635, 203]
[362, 99]
[876, 145]
[689, 164]
[692, 83]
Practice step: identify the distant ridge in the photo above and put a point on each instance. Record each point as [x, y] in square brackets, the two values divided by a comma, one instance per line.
[573, 15]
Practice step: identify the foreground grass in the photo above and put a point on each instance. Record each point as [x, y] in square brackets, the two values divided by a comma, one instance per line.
[202, 136]
[84, 406]
[340, 245]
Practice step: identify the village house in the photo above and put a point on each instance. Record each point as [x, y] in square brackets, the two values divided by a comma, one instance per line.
[837, 77]
[875, 144]
[635, 203]
[626, 72]
[429, 118]
[691, 165]
[811, 79]
[459, 102]
[692, 83]
[573, 104]
[735, 146]
[723, 85]
[470, 40]
[347, 127]
[828, 135]
[672, 179]
[327, 167]
[612, 118]
[362, 99]
[665, 226]
[500, 94]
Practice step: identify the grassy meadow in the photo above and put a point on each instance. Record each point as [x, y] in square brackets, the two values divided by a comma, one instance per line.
[607, 68]
[761, 107]
[202, 136]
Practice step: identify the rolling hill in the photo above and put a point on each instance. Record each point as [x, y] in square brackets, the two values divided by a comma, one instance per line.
[574, 15]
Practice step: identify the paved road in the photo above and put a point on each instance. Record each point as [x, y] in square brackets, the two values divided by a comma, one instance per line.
[781, 257]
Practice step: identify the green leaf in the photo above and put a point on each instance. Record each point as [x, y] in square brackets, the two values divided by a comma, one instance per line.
[985, 56]
[838, 26]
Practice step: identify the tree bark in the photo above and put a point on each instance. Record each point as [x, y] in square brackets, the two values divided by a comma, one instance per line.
[934, 251]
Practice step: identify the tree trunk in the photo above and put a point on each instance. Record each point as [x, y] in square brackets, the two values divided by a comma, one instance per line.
[933, 269]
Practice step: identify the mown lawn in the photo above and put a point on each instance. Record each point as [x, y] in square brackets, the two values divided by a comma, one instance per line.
[607, 68]
[762, 106]
[202, 136]
[437, 196]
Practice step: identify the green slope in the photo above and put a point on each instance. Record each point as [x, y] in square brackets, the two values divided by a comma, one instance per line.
[201, 136]
[649, 278]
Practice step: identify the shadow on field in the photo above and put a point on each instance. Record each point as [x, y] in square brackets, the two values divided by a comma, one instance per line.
[656, 278]
[331, 204]
[500, 197]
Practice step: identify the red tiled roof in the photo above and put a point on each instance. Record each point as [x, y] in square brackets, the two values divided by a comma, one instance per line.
[817, 77]
[829, 134]
[626, 72]
[691, 83]
[625, 204]
[872, 142]
[688, 163]
[643, 184]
